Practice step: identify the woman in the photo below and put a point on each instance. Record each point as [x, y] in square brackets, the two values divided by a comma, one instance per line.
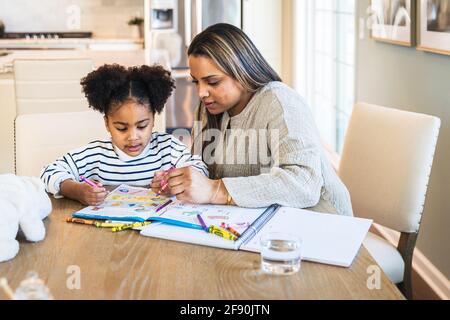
[256, 135]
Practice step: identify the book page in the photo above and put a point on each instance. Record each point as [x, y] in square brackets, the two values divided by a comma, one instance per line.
[238, 218]
[126, 202]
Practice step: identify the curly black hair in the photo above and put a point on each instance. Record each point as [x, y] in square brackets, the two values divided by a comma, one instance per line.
[112, 85]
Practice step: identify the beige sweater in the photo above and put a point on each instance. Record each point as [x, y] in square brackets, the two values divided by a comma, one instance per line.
[271, 153]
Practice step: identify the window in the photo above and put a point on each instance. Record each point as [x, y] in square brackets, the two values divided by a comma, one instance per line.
[324, 71]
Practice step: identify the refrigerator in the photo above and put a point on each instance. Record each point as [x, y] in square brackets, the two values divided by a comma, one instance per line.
[173, 24]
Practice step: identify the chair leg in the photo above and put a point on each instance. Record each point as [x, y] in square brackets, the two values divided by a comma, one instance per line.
[406, 247]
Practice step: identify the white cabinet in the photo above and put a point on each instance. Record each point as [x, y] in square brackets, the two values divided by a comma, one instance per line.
[7, 116]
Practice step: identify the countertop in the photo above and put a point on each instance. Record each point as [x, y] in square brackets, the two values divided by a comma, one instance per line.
[69, 43]
[127, 58]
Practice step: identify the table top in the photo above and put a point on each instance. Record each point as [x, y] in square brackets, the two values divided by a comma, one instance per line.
[84, 262]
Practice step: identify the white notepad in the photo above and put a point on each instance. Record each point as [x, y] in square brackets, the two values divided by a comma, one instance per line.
[327, 238]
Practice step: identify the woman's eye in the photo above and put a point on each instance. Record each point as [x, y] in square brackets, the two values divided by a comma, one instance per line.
[214, 83]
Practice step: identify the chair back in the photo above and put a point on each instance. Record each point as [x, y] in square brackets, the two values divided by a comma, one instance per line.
[41, 138]
[386, 163]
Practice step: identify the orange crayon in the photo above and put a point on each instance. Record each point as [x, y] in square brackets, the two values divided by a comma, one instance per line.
[81, 221]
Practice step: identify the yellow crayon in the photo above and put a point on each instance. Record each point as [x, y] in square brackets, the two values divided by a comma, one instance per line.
[109, 225]
[222, 233]
[130, 226]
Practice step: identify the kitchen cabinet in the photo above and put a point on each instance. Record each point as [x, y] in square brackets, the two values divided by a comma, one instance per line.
[7, 116]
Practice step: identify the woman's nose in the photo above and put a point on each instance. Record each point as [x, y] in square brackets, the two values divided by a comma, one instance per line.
[202, 91]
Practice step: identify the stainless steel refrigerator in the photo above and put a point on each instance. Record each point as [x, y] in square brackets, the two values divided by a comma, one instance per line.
[173, 24]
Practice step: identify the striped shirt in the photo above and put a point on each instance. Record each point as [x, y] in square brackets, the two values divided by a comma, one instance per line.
[101, 160]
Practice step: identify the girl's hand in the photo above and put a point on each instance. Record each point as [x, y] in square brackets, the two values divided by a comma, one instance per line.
[190, 185]
[83, 192]
[158, 183]
[91, 196]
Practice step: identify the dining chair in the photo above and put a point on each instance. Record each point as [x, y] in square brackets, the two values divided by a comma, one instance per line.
[41, 138]
[386, 163]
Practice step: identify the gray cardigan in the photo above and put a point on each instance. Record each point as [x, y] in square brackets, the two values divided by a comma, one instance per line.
[271, 153]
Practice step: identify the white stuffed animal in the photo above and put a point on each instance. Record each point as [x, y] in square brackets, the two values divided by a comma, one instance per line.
[24, 203]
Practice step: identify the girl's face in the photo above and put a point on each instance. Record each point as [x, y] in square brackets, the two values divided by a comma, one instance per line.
[130, 126]
[218, 91]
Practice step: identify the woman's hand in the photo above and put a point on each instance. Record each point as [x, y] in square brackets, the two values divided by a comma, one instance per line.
[190, 185]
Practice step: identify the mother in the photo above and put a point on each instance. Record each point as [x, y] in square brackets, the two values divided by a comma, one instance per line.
[256, 134]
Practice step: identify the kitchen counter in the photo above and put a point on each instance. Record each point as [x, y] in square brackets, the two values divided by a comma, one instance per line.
[72, 43]
[126, 58]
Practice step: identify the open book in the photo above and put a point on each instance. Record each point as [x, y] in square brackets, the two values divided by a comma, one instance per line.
[326, 238]
[135, 204]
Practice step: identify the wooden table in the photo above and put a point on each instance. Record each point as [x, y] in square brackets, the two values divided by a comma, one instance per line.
[126, 265]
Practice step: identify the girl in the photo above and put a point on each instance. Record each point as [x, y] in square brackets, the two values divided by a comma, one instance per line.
[128, 99]
[242, 97]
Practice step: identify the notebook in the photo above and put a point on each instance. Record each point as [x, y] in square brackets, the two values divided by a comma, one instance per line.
[135, 204]
[326, 238]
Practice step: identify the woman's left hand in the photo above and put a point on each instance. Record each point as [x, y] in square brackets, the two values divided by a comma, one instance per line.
[190, 185]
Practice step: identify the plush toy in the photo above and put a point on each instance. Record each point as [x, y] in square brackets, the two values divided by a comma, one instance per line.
[23, 203]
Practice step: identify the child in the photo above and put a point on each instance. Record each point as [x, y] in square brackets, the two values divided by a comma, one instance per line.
[128, 99]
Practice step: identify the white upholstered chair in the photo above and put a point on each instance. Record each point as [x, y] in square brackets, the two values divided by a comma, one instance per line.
[50, 85]
[385, 164]
[43, 137]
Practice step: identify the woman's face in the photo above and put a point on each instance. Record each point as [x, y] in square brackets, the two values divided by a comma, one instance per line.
[218, 91]
[130, 126]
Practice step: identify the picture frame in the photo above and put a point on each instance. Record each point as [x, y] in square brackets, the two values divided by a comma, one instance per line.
[394, 21]
[434, 26]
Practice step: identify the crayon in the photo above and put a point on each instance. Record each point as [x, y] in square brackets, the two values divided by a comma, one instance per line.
[202, 222]
[108, 225]
[81, 221]
[164, 183]
[164, 205]
[222, 233]
[233, 231]
[89, 182]
[130, 226]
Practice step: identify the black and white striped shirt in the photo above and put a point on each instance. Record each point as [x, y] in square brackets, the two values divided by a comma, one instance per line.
[102, 161]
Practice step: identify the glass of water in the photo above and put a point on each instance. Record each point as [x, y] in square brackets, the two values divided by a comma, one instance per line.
[281, 253]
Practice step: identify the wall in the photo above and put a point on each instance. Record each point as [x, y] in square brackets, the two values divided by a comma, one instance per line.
[408, 79]
[106, 18]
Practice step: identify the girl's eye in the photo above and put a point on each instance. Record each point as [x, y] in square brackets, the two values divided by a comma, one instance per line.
[142, 128]
[122, 129]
